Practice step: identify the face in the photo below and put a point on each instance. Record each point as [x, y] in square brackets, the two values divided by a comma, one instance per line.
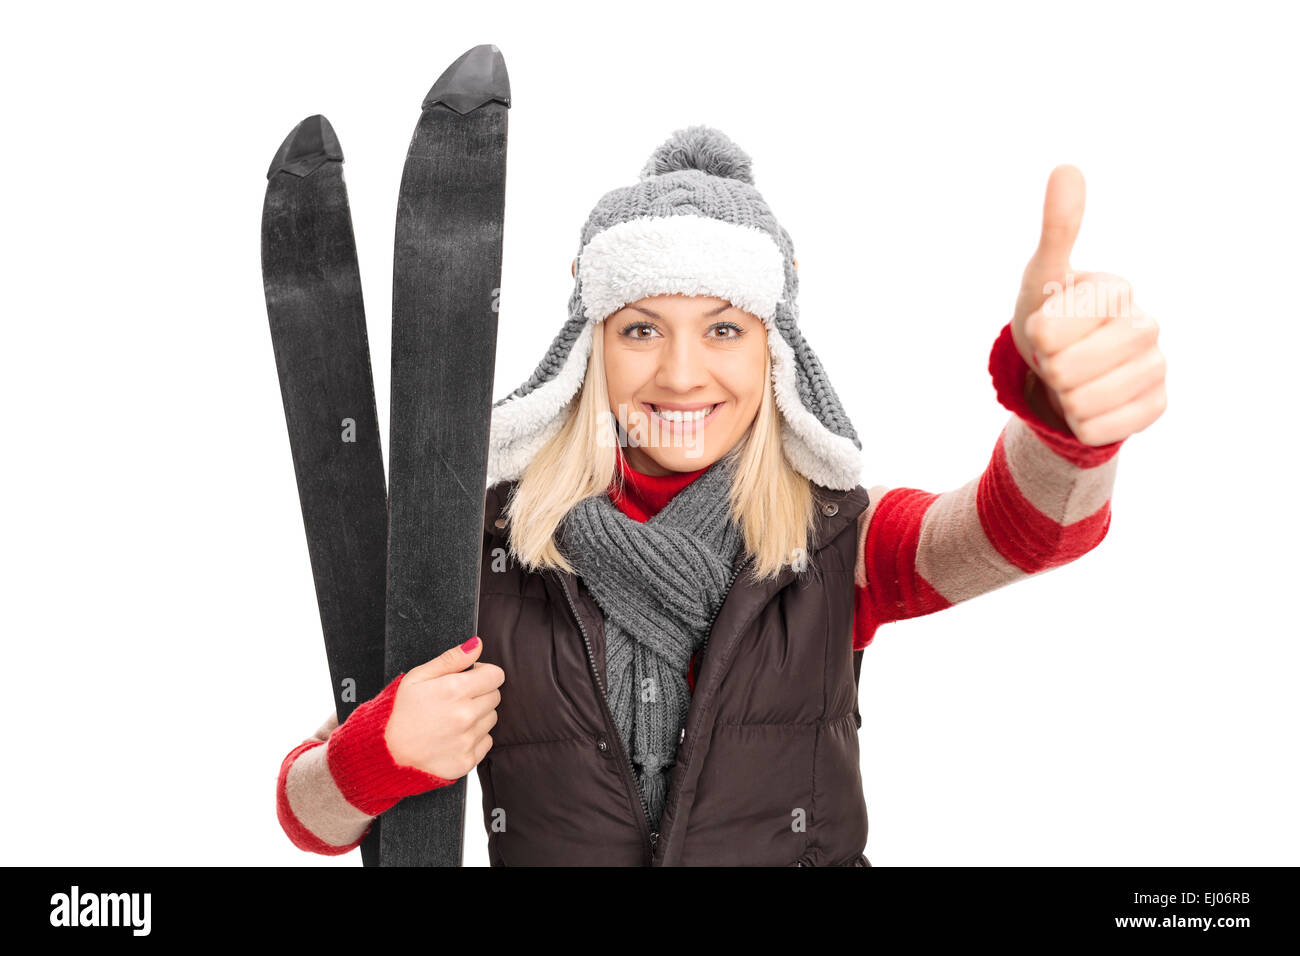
[685, 357]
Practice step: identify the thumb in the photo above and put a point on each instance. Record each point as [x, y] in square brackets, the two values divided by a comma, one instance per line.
[451, 661]
[1062, 214]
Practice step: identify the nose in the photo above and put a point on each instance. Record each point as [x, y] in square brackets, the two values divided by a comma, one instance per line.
[683, 365]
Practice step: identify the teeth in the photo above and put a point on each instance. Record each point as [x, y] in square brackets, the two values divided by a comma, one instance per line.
[673, 415]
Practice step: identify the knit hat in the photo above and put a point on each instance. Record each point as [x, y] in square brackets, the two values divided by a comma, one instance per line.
[693, 225]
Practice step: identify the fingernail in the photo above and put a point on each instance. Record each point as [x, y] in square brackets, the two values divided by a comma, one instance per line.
[470, 644]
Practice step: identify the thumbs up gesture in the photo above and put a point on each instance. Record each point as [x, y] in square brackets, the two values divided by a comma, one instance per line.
[1082, 335]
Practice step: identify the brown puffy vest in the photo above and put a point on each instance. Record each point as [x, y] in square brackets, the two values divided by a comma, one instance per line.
[767, 771]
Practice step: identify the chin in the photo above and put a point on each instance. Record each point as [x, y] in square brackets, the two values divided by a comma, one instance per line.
[682, 459]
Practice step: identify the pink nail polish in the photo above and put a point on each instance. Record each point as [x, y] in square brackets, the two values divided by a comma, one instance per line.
[470, 644]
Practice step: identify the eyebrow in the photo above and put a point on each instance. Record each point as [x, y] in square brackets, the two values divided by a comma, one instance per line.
[708, 315]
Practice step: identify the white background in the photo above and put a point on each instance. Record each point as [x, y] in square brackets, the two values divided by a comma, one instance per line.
[162, 647]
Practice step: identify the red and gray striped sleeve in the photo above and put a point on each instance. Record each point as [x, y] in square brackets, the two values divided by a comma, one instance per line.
[1042, 501]
[332, 785]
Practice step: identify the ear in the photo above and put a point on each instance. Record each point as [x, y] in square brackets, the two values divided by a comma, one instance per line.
[573, 269]
[796, 264]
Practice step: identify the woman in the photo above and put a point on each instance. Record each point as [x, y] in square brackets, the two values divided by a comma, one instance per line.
[680, 568]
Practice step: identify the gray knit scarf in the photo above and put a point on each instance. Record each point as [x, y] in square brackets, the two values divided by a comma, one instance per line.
[659, 583]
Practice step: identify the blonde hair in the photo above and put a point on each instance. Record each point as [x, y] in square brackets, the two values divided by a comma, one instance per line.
[773, 504]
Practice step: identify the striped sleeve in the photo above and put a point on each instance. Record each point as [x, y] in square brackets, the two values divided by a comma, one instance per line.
[333, 784]
[1042, 501]
[312, 811]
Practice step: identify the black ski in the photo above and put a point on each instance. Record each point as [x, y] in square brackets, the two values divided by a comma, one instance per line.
[318, 329]
[446, 279]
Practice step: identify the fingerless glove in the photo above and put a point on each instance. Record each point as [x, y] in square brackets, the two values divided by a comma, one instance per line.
[362, 765]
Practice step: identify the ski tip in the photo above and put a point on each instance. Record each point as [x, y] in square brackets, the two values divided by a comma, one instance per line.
[310, 145]
[478, 76]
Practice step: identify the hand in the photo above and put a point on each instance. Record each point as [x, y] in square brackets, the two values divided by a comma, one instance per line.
[442, 713]
[1082, 334]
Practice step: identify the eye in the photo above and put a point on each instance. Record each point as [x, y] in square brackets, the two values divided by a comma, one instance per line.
[635, 325]
[730, 325]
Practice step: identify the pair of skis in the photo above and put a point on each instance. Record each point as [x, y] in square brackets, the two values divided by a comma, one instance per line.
[396, 570]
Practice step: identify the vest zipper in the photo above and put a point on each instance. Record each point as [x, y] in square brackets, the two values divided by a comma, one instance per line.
[651, 835]
[708, 633]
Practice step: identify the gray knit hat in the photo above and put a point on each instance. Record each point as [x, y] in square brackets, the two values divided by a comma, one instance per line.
[693, 225]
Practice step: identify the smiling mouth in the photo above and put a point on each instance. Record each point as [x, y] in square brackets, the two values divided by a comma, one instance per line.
[678, 417]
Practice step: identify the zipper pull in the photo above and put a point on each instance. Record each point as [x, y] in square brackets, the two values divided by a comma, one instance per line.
[654, 839]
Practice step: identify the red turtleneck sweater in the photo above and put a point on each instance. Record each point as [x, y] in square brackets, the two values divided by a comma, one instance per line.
[643, 496]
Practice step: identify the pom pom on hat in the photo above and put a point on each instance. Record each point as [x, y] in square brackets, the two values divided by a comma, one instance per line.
[704, 148]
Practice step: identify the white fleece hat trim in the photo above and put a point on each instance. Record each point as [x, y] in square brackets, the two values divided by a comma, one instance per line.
[686, 255]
